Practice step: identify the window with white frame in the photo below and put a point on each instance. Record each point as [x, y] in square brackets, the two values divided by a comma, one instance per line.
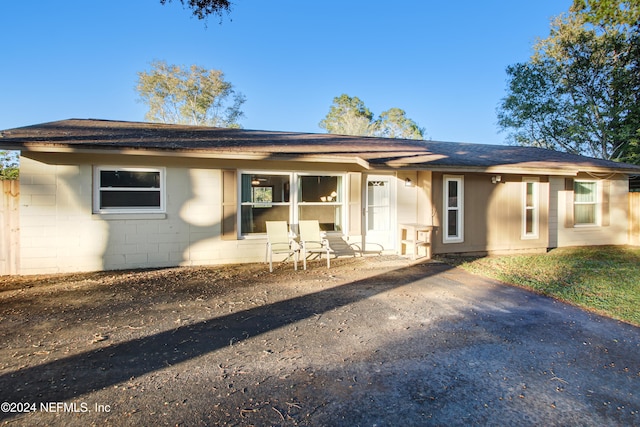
[264, 197]
[270, 196]
[585, 202]
[530, 214]
[128, 190]
[321, 197]
[453, 209]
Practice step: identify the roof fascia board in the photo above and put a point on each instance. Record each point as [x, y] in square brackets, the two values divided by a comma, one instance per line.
[568, 170]
[523, 170]
[312, 158]
[511, 170]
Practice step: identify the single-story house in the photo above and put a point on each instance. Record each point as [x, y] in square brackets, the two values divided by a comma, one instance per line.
[101, 195]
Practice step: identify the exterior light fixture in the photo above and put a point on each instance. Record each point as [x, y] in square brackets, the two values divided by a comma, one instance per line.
[496, 179]
[408, 183]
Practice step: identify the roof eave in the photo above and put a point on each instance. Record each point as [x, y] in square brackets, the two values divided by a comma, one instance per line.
[565, 170]
[201, 154]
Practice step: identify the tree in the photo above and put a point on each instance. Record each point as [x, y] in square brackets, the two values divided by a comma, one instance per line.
[580, 91]
[191, 95]
[394, 123]
[203, 8]
[9, 168]
[349, 116]
[609, 12]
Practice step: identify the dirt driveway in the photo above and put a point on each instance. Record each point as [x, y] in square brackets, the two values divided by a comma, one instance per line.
[376, 341]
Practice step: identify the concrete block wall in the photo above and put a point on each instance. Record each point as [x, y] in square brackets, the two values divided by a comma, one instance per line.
[57, 233]
[60, 233]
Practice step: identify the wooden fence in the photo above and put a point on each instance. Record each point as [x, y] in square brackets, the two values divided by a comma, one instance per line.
[9, 227]
[634, 218]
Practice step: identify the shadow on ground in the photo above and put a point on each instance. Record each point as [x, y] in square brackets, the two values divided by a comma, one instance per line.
[422, 344]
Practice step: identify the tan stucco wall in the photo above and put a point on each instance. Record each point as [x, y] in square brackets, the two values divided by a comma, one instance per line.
[492, 215]
[414, 201]
[615, 233]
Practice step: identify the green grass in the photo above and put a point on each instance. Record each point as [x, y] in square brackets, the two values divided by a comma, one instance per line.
[603, 279]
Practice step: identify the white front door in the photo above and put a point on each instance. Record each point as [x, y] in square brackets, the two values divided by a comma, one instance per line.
[380, 229]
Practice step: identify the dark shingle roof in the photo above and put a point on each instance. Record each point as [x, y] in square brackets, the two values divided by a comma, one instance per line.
[87, 135]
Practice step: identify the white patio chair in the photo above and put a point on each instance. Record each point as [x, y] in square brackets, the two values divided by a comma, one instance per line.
[311, 241]
[279, 242]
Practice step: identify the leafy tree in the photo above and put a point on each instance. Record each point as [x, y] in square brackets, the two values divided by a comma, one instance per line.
[349, 116]
[580, 91]
[9, 168]
[203, 8]
[609, 12]
[394, 123]
[193, 95]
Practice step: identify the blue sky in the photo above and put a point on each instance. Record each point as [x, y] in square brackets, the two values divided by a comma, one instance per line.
[443, 62]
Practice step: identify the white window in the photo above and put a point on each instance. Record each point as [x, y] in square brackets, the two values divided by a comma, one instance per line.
[585, 203]
[321, 197]
[530, 214]
[263, 197]
[128, 190]
[272, 196]
[453, 209]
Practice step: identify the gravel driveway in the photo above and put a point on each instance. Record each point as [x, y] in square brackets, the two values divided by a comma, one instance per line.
[374, 341]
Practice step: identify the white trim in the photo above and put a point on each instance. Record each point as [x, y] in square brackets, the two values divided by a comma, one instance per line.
[294, 197]
[376, 237]
[459, 237]
[240, 203]
[125, 216]
[344, 205]
[597, 204]
[535, 208]
[98, 189]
